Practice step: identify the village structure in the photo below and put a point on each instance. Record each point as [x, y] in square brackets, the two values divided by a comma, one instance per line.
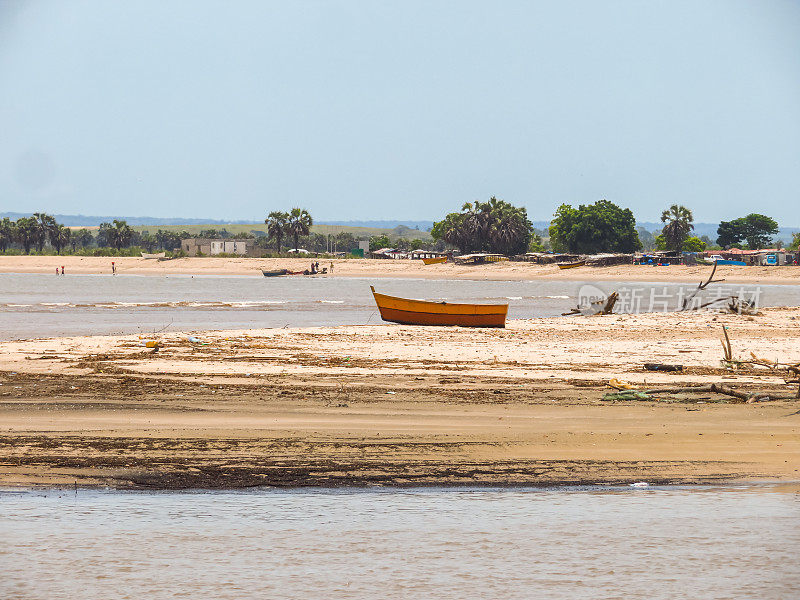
[215, 247]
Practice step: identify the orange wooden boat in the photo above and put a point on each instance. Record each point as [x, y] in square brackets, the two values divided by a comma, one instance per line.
[435, 261]
[421, 312]
[571, 265]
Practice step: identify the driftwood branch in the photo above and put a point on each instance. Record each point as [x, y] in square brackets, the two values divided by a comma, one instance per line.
[599, 307]
[703, 285]
[721, 388]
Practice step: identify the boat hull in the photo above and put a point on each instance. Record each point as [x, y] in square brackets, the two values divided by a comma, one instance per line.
[580, 263]
[420, 312]
[434, 261]
[275, 273]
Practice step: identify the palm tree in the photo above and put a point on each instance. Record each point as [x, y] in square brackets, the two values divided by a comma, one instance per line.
[122, 234]
[678, 221]
[299, 223]
[7, 233]
[60, 237]
[47, 226]
[27, 232]
[276, 226]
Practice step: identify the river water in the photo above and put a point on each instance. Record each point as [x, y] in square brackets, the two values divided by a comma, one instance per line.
[49, 305]
[672, 542]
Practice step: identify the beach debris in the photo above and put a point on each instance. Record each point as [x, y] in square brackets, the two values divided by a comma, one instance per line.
[742, 307]
[792, 375]
[748, 397]
[150, 343]
[726, 346]
[598, 307]
[725, 390]
[194, 340]
[703, 285]
[663, 367]
[618, 384]
[625, 395]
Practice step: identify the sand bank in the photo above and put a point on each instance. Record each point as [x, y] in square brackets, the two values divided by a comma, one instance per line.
[502, 271]
[395, 405]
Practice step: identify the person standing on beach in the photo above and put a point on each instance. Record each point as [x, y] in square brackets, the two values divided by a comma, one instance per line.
[56, 270]
[331, 268]
[113, 268]
[62, 269]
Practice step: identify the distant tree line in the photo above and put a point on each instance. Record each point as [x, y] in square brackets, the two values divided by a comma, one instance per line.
[33, 233]
[497, 226]
[494, 226]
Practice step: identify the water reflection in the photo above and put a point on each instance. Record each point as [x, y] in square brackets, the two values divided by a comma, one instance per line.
[514, 543]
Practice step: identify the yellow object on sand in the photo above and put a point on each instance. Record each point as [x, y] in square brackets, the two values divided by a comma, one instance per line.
[620, 385]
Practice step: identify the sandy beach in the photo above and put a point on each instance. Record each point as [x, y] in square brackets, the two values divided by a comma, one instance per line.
[397, 405]
[502, 271]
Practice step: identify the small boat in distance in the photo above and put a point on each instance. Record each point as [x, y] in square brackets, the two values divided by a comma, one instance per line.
[275, 272]
[423, 312]
[435, 261]
[571, 265]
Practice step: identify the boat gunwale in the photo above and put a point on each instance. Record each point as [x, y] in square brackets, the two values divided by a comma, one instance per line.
[501, 308]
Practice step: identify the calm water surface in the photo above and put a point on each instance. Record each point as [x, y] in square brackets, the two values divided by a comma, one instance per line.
[47, 305]
[700, 543]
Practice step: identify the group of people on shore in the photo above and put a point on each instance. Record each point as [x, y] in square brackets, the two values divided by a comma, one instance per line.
[315, 269]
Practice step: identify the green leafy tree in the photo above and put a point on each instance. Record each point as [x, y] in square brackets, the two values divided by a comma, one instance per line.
[679, 222]
[27, 232]
[756, 229]
[494, 226]
[299, 223]
[7, 233]
[694, 244]
[593, 228]
[729, 233]
[376, 242]
[795, 245]
[536, 244]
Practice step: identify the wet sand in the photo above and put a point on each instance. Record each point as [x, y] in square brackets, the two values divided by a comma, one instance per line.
[502, 271]
[396, 405]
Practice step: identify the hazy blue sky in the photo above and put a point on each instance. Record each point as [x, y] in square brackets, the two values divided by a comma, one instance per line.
[379, 110]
